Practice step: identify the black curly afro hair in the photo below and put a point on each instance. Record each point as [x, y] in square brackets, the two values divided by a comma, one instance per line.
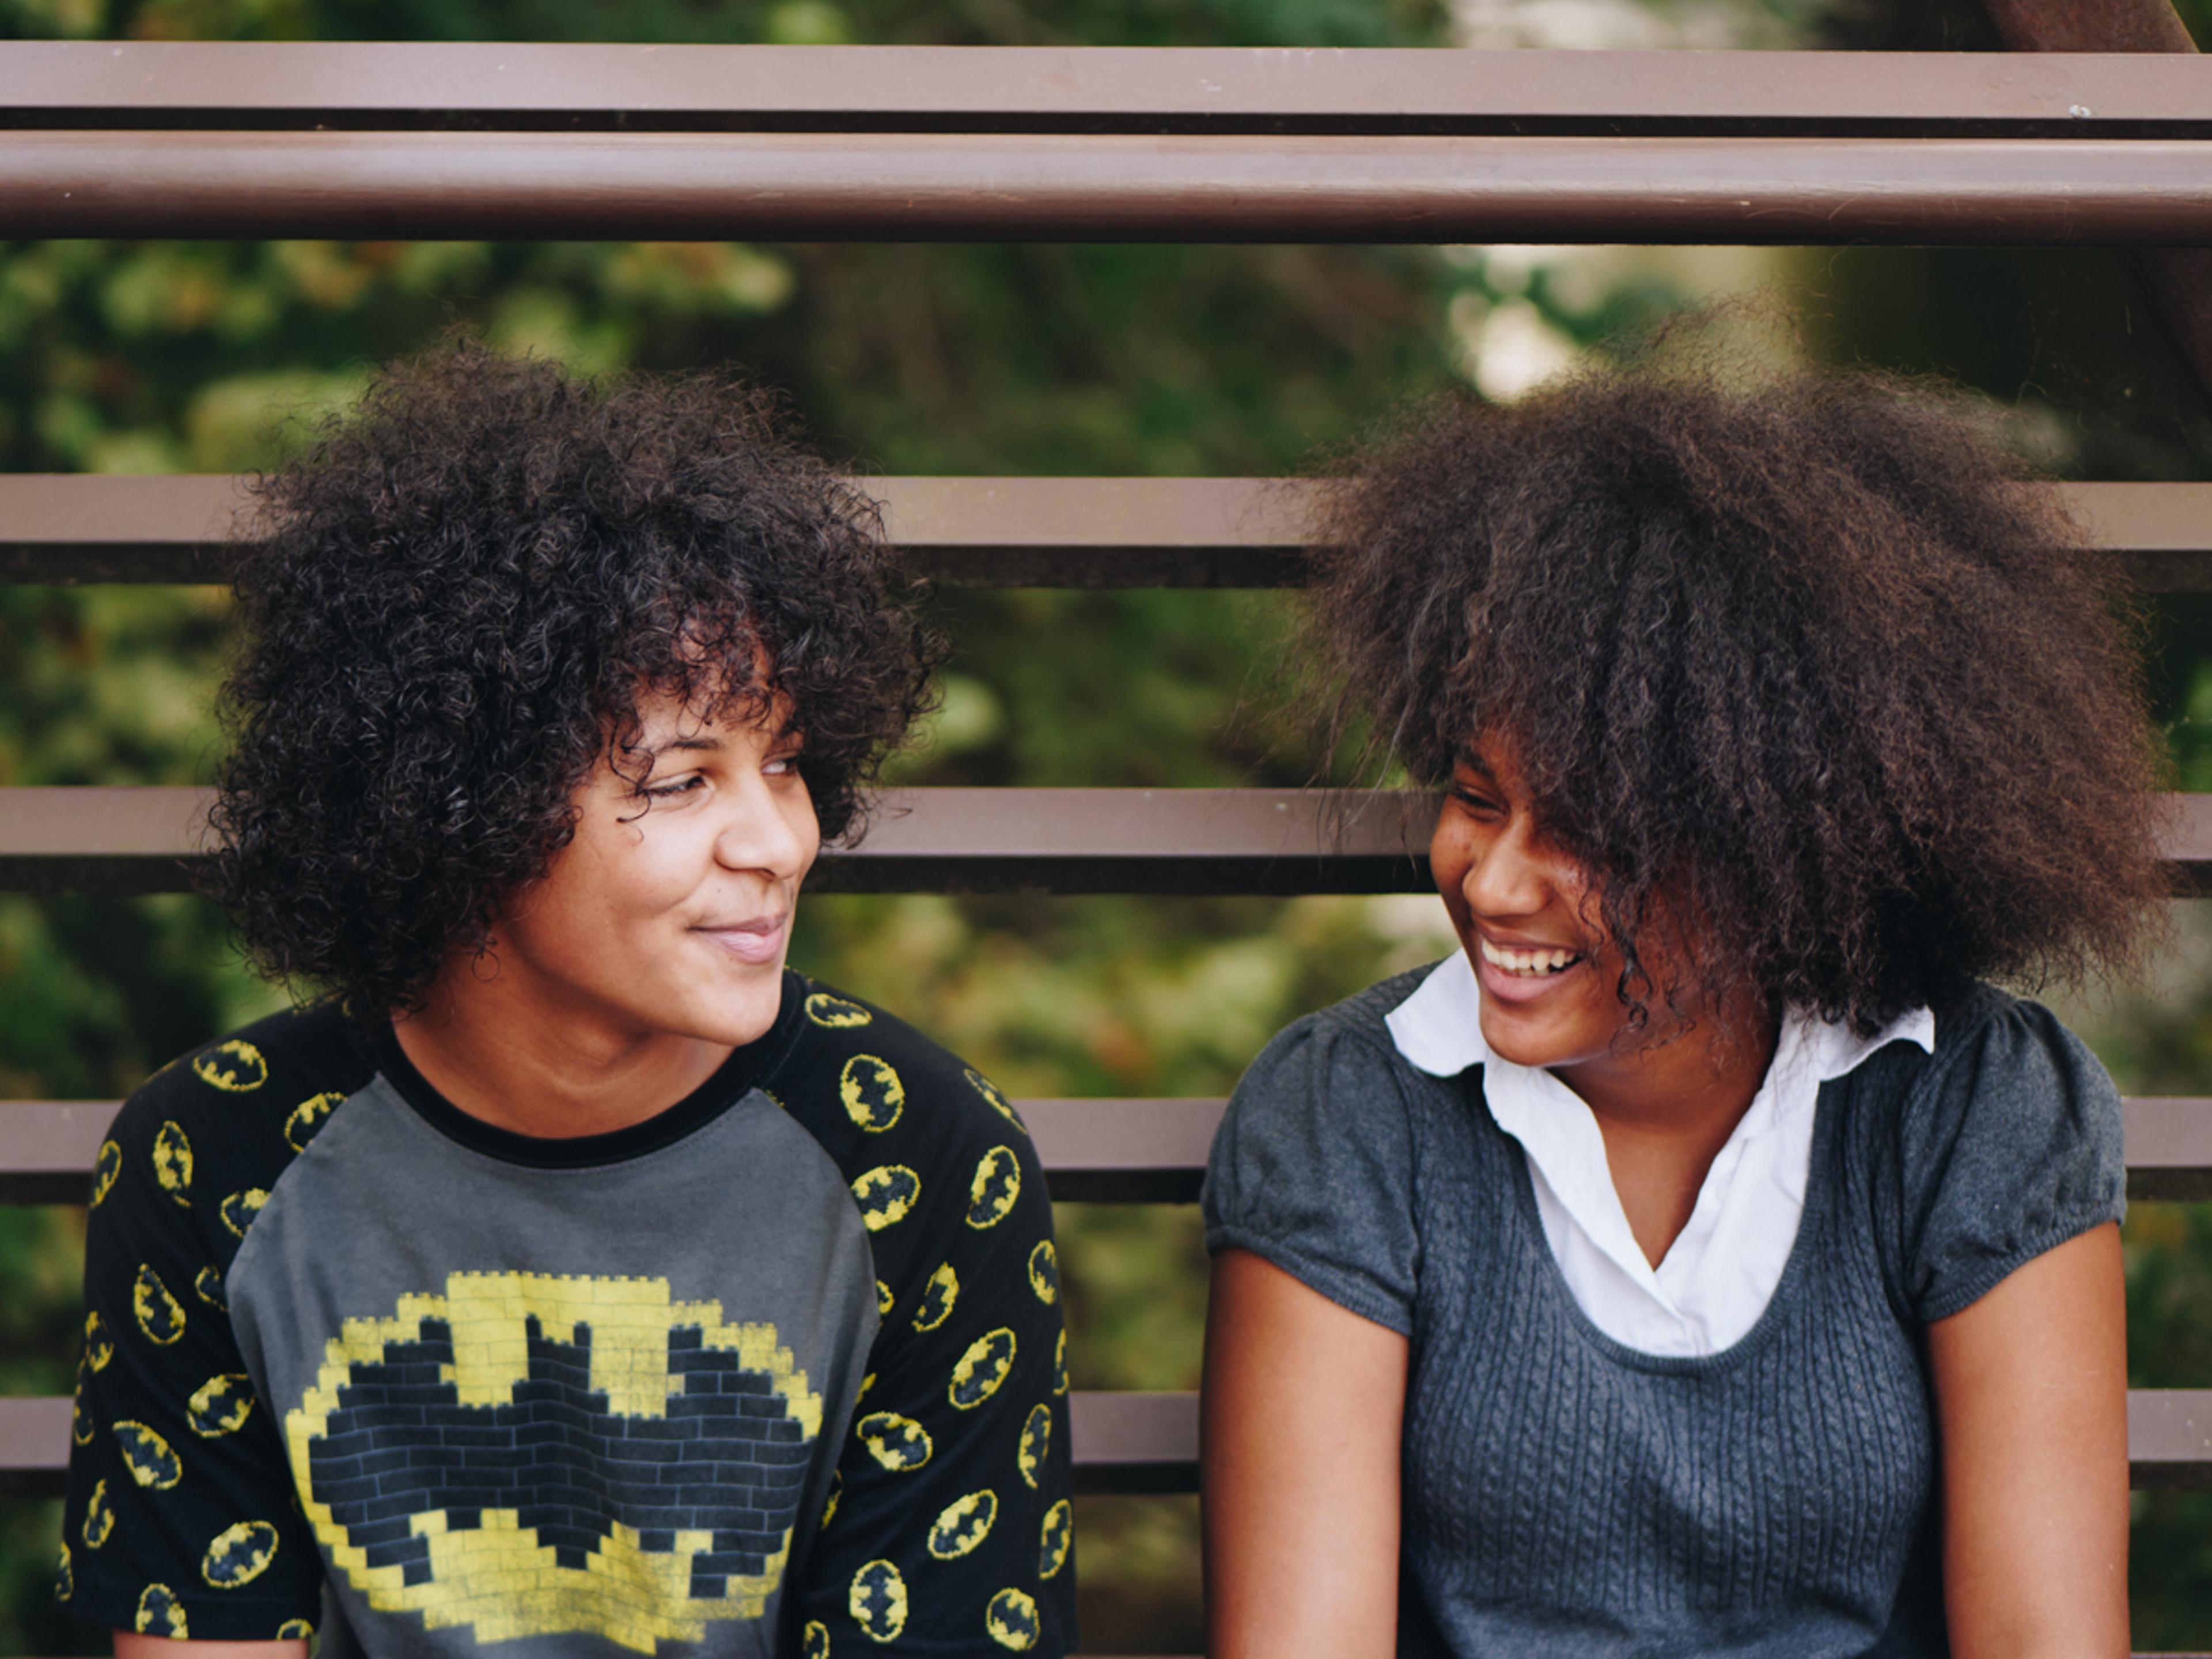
[1796, 657]
[462, 587]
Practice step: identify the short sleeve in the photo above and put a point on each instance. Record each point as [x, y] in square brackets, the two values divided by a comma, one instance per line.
[950, 1526]
[2014, 1148]
[1313, 1169]
[180, 1518]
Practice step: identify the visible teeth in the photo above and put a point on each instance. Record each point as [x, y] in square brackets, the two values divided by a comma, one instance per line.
[1529, 961]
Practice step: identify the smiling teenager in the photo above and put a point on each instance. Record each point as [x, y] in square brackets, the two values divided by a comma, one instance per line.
[573, 1275]
[1705, 1258]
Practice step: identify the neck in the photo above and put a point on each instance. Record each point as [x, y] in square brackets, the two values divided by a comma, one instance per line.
[519, 1056]
[1665, 1109]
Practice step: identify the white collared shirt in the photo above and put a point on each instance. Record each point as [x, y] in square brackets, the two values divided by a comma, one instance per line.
[1718, 1276]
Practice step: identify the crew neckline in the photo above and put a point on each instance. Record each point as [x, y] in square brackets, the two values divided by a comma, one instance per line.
[730, 1082]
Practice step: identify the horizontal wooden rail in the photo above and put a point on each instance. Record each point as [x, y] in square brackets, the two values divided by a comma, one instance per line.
[1054, 187]
[1277, 841]
[961, 841]
[966, 532]
[1148, 1443]
[1106, 1150]
[292, 85]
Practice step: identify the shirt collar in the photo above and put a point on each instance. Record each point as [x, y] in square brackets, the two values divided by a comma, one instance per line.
[1439, 1028]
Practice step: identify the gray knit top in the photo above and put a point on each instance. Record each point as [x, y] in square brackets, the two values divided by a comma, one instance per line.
[1565, 1494]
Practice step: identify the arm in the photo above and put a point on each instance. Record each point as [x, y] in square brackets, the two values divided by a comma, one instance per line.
[1300, 1426]
[2030, 1396]
[129, 1644]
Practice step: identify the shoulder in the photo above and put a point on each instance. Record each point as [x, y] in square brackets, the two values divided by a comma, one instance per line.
[1337, 1069]
[233, 1112]
[1351, 1038]
[2002, 1143]
[856, 1071]
[1316, 1166]
[1998, 1059]
[926, 1142]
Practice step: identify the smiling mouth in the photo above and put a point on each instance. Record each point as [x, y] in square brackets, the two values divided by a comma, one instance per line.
[1540, 964]
[751, 941]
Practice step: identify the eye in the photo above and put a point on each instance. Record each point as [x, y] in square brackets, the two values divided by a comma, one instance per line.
[673, 787]
[779, 766]
[1475, 798]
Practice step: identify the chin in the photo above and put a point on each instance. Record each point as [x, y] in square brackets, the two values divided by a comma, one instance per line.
[1524, 1042]
[741, 1019]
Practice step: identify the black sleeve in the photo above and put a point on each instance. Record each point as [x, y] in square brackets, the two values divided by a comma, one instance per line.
[950, 1529]
[180, 1518]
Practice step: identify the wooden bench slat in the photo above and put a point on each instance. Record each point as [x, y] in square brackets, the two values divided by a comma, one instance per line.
[1087, 532]
[1279, 841]
[1105, 1150]
[1148, 1443]
[1053, 187]
[295, 84]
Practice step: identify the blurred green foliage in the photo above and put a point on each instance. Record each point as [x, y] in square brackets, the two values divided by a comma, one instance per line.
[127, 357]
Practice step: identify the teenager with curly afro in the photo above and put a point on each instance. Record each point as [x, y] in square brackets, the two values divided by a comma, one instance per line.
[1707, 1257]
[527, 1282]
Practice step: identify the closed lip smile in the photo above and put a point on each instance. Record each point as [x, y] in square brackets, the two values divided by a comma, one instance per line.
[757, 938]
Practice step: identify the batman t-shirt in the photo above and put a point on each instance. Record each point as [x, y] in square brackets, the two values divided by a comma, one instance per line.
[778, 1371]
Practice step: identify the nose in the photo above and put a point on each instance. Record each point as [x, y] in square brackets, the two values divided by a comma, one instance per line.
[768, 829]
[1512, 876]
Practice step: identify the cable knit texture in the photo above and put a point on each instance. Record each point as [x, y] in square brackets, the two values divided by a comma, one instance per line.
[1565, 1494]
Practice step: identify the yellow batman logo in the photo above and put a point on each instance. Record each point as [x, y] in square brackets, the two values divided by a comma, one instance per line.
[160, 1613]
[1044, 1271]
[937, 1298]
[667, 1459]
[1060, 1364]
[1000, 1103]
[234, 1067]
[296, 1629]
[878, 1601]
[1012, 1618]
[884, 1300]
[963, 1524]
[80, 1422]
[160, 1315]
[149, 1457]
[206, 1285]
[996, 1185]
[871, 1091]
[239, 1210]
[814, 1640]
[64, 1576]
[240, 1555]
[986, 1365]
[899, 1443]
[836, 1491]
[835, 1012]
[1058, 1539]
[885, 1194]
[1036, 1442]
[98, 1346]
[172, 1163]
[307, 1119]
[221, 1404]
[105, 1167]
[99, 1516]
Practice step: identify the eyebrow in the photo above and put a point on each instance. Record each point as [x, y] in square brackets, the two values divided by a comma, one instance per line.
[1474, 762]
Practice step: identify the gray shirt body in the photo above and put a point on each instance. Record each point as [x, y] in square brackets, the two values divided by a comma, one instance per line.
[1567, 1495]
